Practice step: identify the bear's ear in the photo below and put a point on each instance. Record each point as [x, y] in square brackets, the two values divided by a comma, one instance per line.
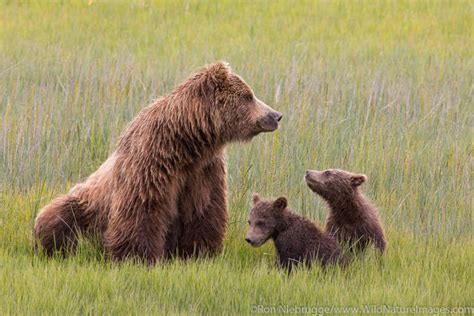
[217, 74]
[214, 78]
[280, 203]
[255, 198]
[358, 179]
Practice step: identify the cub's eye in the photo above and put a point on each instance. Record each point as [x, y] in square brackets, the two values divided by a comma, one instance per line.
[248, 97]
[248, 222]
[327, 173]
[260, 223]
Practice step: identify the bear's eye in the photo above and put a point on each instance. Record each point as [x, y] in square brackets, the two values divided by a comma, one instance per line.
[327, 173]
[248, 97]
[248, 222]
[260, 223]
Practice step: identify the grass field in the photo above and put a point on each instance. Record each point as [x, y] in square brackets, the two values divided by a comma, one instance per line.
[379, 87]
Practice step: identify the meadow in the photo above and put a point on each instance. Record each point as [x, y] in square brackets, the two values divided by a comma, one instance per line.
[384, 88]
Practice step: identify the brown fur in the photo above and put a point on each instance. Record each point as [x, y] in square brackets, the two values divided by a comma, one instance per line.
[352, 219]
[163, 190]
[296, 238]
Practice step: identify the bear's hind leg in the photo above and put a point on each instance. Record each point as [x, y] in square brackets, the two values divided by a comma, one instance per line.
[59, 224]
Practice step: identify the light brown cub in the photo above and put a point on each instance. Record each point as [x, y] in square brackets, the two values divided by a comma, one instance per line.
[352, 219]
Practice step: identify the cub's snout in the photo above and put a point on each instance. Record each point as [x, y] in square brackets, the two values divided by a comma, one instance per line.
[313, 178]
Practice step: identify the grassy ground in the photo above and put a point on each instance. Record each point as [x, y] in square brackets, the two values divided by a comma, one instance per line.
[384, 88]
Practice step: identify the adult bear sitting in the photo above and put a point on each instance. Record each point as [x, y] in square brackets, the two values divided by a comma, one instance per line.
[163, 190]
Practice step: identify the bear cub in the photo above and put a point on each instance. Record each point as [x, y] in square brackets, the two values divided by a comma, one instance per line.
[353, 220]
[297, 239]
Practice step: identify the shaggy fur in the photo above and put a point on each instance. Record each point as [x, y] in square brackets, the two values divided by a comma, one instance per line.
[163, 190]
[297, 239]
[352, 219]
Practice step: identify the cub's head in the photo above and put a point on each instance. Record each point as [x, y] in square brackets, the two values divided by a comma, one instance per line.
[235, 110]
[265, 219]
[334, 184]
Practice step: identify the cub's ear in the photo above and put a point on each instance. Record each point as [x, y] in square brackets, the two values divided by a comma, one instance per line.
[358, 179]
[280, 203]
[255, 198]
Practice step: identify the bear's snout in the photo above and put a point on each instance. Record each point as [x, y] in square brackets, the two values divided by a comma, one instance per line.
[278, 116]
[269, 122]
[267, 118]
[312, 178]
[253, 243]
[312, 174]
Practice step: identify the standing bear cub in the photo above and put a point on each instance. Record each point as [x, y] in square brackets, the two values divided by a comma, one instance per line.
[352, 219]
[162, 192]
[297, 239]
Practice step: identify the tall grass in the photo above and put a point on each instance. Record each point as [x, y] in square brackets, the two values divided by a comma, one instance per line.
[384, 88]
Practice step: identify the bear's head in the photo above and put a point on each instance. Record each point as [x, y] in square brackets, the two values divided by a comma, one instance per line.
[334, 184]
[235, 112]
[266, 218]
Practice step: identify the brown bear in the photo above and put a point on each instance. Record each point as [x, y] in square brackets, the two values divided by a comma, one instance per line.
[163, 190]
[296, 238]
[352, 219]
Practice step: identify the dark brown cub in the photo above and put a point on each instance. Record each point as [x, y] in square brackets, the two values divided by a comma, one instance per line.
[297, 239]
